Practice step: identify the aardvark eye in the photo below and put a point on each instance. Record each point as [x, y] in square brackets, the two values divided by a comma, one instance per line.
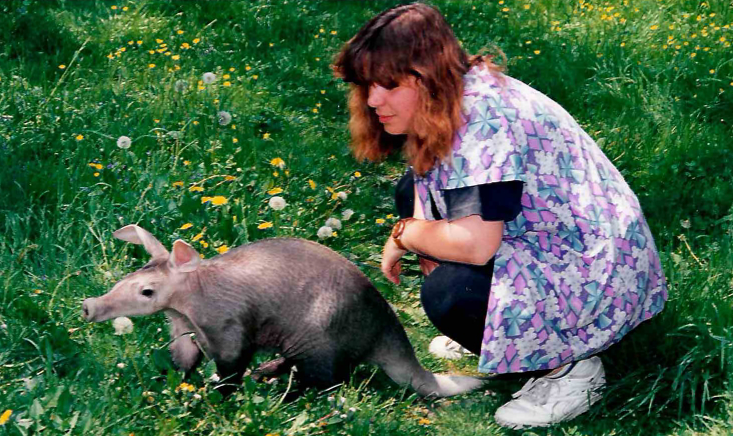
[148, 292]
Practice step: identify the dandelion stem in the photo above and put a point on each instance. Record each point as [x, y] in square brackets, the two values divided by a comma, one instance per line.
[66, 71]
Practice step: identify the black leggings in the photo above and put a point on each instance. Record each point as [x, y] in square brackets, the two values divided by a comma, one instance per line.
[455, 296]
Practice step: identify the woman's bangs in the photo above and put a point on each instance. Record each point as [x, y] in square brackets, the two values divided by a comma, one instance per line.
[382, 67]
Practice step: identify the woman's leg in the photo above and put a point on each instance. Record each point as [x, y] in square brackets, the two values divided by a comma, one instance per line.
[455, 298]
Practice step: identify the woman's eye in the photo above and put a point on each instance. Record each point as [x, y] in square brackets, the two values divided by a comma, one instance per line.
[147, 292]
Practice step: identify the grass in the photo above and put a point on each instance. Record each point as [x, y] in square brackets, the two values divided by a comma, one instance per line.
[651, 80]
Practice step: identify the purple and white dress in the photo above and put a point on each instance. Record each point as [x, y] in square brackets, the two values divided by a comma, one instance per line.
[577, 268]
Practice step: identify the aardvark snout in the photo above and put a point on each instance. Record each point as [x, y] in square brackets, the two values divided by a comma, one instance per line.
[87, 309]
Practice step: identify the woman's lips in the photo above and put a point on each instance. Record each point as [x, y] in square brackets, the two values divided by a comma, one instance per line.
[384, 119]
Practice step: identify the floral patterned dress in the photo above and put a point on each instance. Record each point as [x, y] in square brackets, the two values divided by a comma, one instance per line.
[577, 268]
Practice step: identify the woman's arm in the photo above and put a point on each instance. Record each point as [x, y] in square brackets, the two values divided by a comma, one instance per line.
[466, 240]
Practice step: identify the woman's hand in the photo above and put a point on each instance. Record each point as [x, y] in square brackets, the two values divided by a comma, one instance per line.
[426, 265]
[391, 265]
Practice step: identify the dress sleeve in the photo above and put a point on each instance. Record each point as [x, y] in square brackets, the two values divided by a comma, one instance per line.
[498, 201]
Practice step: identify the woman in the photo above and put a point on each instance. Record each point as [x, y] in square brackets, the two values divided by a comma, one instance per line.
[544, 258]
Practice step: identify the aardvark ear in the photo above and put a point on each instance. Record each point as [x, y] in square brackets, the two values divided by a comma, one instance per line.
[184, 258]
[138, 235]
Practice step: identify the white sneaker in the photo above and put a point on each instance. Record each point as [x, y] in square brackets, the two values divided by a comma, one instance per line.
[552, 399]
[447, 348]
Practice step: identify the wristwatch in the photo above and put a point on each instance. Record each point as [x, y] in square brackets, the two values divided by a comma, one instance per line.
[397, 232]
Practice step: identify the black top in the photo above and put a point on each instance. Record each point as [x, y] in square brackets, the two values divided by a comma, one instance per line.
[499, 201]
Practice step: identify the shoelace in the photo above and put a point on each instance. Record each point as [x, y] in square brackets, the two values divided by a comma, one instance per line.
[536, 391]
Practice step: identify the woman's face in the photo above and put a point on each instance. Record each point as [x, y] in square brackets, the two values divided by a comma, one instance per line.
[395, 107]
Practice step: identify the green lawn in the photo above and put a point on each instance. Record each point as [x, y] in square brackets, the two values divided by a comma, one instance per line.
[650, 80]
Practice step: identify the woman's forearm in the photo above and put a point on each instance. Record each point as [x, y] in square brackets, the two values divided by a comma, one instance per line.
[467, 240]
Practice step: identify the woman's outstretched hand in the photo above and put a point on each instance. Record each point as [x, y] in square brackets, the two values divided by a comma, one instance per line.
[391, 265]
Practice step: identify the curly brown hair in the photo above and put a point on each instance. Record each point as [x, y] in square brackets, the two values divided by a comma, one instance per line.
[408, 40]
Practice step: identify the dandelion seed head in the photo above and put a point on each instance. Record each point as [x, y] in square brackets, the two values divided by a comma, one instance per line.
[122, 325]
[124, 142]
[224, 118]
[346, 215]
[277, 203]
[325, 232]
[342, 196]
[334, 223]
[209, 78]
[180, 85]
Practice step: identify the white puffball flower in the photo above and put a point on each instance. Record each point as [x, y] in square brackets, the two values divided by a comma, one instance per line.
[325, 232]
[277, 203]
[209, 78]
[180, 85]
[121, 365]
[124, 142]
[347, 214]
[122, 325]
[224, 118]
[334, 223]
[342, 196]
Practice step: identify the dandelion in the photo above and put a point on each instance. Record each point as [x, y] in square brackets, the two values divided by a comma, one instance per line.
[151, 66]
[125, 9]
[266, 136]
[379, 221]
[346, 215]
[222, 249]
[195, 188]
[62, 67]
[537, 52]
[197, 237]
[5, 416]
[96, 174]
[255, 76]
[325, 232]
[124, 142]
[265, 225]
[121, 365]
[114, 7]
[247, 68]
[357, 174]
[122, 325]
[235, 140]
[209, 78]
[342, 196]
[185, 46]
[315, 110]
[229, 178]
[323, 91]
[312, 184]
[712, 71]
[79, 137]
[334, 223]
[224, 118]
[95, 165]
[185, 387]
[219, 200]
[227, 83]
[186, 226]
[275, 191]
[277, 203]
[277, 162]
[180, 85]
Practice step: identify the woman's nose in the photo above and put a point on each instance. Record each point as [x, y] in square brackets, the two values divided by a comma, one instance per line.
[376, 96]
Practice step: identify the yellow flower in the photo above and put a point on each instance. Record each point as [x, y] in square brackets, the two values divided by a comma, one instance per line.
[712, 71]
[379, 221]
[247, 68]
[95, 165]
[96, 174]
[227, 83]
[185, 387]
[178, 184]
[537, 52]
[219, 200]
[185, 46]
[223, 249]
[159, 41]
[151, 51]
[235, 140]
[315, 110]
[175, 57]
[333, 32]
[151, 65]
[266, 225]
[179, 31]
[323, 91]
[312, 184]
[390, 216]
[275, 191]
[197, 237]
[204, 244]
[205, 199]
[692, 55]
[255, 76]
[139, 42]
[188, 162]
[5, 416]
[425, 421]
[232, 69]
[226, 76]
[266, 136]
[186, 226]
[526, 6]
[654, 27]
[195, 188]
[357, 174]
[114, 7]
[79, 137]
[229, 178]
[125, 9]
[277, 162]
[196, 40]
